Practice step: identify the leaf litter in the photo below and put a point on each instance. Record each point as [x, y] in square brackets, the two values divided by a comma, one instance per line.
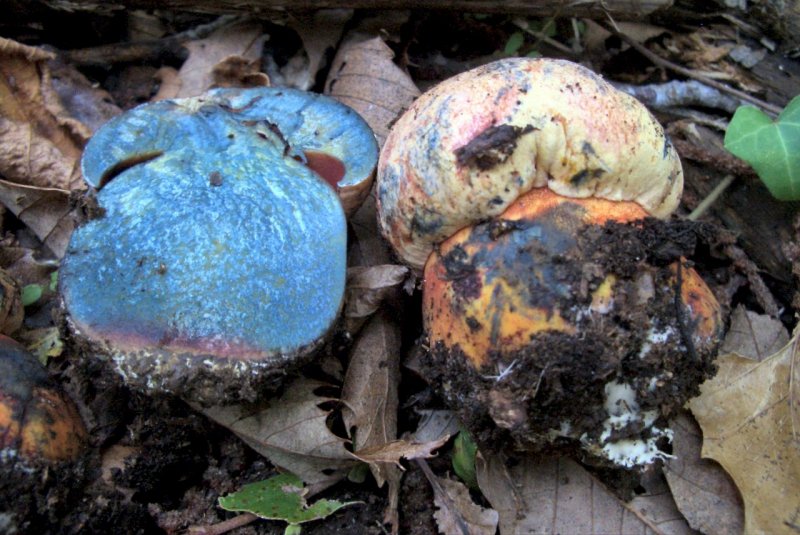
[372, 424]
[750, 417]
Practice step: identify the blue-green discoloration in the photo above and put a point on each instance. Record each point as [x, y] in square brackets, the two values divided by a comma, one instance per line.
[221, 246]
[306, 120]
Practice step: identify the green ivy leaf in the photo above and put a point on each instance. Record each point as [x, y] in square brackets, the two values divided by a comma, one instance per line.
[771, 147]
[464, 450]
[279, 498]
[30, 294]
[514, 43]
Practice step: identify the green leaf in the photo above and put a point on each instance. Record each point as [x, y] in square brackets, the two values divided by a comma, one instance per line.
[279, 498]
[54, 281]
[771, 147]
[464, 451]
[30, 294]
[514, 43]
[292, 529]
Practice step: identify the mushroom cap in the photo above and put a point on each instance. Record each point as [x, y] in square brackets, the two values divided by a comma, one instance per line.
[542, 319]
[219, 263]
[470, 146]
[37, 420]
[312, 125]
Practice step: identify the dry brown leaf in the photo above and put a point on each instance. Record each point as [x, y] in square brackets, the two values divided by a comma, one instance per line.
[40, 145]
[364, 77]
[547, 495]
[456, 512]
[750, 416]
[243, 40]
[657, 507]
[369, 392]
[436, 424]
[754, 336]
[84, 102]
[320, 31]
[703, 491]
[291, 431]
[236, 71]
[393, 452]
[369, 248]
[367, 287]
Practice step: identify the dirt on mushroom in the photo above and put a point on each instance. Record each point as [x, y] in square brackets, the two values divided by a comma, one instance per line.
[520, 399]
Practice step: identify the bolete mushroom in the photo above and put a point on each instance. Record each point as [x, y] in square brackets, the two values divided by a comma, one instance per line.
[39, 424]
[526, 191]
[219, 262]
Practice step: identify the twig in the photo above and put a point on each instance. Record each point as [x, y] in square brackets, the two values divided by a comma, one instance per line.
[701, 208]
[102, 56]
[680, 93]
[658, 60]
[541, 37]
[224, 526]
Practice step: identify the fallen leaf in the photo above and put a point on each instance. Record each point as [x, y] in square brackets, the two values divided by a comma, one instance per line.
[750, 421]
[291, 432]
[280, 497]
[754, 336]
[457, 513]
[243, 40]
[548, 495]
[45, 343]
[393, 452]
[320, 30]
[369, 392]
[656, 506]
[40, 144]
[703, 491]
[236, 71]
[368, 248]
[367, 287]
[83, 100]
[436, 424]
[364, 77]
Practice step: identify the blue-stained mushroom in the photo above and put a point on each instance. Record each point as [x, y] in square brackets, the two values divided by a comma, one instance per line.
[218, 264]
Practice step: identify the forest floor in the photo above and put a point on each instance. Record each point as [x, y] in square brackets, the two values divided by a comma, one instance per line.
[155, 464]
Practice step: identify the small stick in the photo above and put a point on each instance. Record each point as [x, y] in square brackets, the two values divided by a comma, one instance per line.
[710, 198]
[224, 526]
[658, 60]
[104, 55]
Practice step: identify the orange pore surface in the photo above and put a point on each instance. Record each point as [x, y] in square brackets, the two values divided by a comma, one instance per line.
[53, 429]
[494, 316]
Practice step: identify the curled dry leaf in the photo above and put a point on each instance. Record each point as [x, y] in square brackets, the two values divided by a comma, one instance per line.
[548, 495]
[703, 491]
[242, 41]
[369, 392]
[364, 77]
[750, 416]
[392, 452]
[457, 513]
[367, 287]
[436, 424]
[40, 145]
[291, 432]
[755, 336]
[320, 31]
[11, 310]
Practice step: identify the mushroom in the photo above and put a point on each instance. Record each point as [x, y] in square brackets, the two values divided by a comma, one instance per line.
[218, 264]
[39, 424]
[526, 192]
